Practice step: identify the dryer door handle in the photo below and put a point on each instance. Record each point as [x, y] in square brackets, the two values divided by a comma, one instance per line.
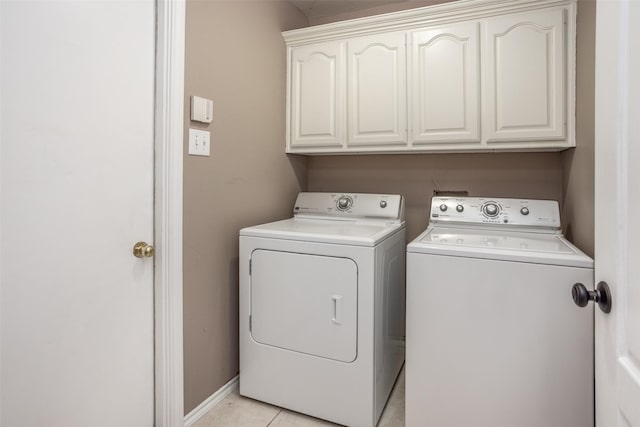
[337, 309]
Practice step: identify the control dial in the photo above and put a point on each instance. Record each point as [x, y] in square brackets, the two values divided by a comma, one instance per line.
[344, 203]
[491, 209]
[443, 207]
[524, 211]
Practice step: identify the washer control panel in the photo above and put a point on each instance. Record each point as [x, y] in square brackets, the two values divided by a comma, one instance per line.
[495, 211]
[356, 205]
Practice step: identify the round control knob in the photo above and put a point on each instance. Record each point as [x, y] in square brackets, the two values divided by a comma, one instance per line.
[524, 210]
[459, 208]
[383, 204]
[490, 209]
[344, 203]
[443, 207]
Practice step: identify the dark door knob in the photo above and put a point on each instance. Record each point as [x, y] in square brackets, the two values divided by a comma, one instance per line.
[602, 296]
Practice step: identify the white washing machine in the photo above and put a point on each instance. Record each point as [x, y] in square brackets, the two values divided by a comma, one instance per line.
[322, 306]
[493, 336]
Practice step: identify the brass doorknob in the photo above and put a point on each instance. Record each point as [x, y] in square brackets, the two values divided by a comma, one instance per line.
[143, 250]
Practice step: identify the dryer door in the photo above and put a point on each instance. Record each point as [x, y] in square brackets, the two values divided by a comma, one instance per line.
[305, 303]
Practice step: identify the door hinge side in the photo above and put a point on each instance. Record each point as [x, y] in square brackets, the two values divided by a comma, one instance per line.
[249, 323]
[249, 267]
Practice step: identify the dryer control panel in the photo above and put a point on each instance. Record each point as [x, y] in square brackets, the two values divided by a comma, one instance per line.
[350, 205]
[498, 212]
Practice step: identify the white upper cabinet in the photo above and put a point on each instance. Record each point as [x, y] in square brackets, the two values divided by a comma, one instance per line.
[317, 96]
[473, 75]
[445, 83]
[524, 72]
[376, 101]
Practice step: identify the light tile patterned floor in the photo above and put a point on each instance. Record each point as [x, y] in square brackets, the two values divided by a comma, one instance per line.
[238, 411]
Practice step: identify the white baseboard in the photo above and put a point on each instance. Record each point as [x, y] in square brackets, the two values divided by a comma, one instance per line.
[198, 412]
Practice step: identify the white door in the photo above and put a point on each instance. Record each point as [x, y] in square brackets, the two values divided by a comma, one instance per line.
[617, 203]
[77, 109]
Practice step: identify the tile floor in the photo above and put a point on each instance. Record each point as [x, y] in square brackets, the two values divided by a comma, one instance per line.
[238, 411]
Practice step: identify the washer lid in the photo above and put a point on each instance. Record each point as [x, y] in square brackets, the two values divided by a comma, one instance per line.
[537, 248]
[344, 232]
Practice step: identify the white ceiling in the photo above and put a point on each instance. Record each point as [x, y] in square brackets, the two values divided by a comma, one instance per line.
[319, 8]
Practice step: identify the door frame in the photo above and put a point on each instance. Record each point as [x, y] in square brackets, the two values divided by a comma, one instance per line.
[168, 143]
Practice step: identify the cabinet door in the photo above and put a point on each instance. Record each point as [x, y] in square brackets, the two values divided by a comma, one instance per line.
[377, 90]
[524, 77]
[445, 85]
[316, 109]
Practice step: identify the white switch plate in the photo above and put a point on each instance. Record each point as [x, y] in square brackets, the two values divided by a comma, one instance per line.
[199, 142]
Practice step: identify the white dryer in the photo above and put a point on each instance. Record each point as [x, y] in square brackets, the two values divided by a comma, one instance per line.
[322, 306]
[493, 336]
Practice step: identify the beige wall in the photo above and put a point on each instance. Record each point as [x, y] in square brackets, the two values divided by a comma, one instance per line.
[376, 10]
[235, 55]
[527, 175]
[578, 164]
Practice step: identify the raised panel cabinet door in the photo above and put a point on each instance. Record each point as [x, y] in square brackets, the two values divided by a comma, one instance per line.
[377, 90]
[317, 96]
[524, 77]
[445, 85]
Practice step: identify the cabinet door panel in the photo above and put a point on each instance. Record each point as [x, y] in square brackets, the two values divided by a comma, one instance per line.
[445, 85]
[317, 96]
[524, 77]
[377, 90]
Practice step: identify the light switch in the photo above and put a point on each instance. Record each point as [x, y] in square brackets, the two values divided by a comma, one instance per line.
[201, 109]
[199, 142]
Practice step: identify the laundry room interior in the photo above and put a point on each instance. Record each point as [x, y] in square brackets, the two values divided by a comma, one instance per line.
[363, 213]
[235, 55]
